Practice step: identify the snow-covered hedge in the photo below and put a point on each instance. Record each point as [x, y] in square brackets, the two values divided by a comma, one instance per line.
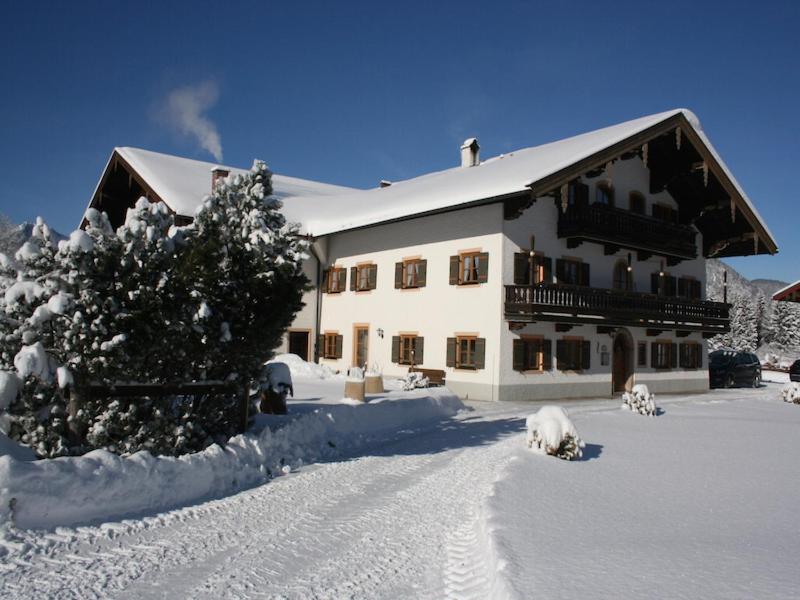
[640, 401]
[550, 431]
[791, 392]
[101, 485]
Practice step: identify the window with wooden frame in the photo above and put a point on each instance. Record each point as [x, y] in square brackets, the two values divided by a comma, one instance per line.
[532, 354]
[641, 354]
[663, 284]
[363, 277]
[577, 194]
[571, 271]
[663, 355]
[573, 354]
[466, 352]
[532, 269]
[330, 345]
[410, 274]
[334, 280]
[636, 203]
[665, 213]
[691, 355]
[604, 194]
[408, 349]
[623, 277]
[469, 268]
[689, 287]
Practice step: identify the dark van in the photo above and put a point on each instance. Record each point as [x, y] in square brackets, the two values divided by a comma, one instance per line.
[729, 368]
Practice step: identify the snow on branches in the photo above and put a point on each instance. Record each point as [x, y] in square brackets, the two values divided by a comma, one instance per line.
[791, 392]
[640, 400]
[551, 432]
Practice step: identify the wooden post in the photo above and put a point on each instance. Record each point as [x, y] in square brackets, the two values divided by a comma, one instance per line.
[74, 402]
[725, 287]
[246, 406]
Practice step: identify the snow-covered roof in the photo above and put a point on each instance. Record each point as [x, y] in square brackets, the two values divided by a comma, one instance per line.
[323, 209]
[790, 293]
[182, 183]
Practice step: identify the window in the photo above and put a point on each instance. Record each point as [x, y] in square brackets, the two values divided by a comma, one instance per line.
[532, 269]
[531, 354]
[571, 271]
[641, 354]
[665, 213]
[577, 194]
[690, 288]
[363, 277]
[663, 355]
[604, 194]
[637, 203]
[691, 355]
[623, 279]
[410, 273]
[330, 345]
[663, 284]
[333, 281]
[573, 354]
[469, 268]
[407, 349]
[466, 352]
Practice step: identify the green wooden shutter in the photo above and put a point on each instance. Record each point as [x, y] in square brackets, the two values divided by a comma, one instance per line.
[585, 279]
[653, 352]
[372, 277]
[419, 350]
[699, 357]
[673, 356]
[671, 285]
[480, 353]
[325, 275]
[343, 279]
[522, 271]
[422, 274]
[395, 348]
[548, 269]
[353, 278]
[483, 267]
[560, 270]
[682, 358]
[339, 344]
[586, 355]
[455, 265]
[581, 194]
[683, 287]
[561, 350]
[451, 352]
[320, 350]
[547, 355]
[398, 275]
[518, 355]
[654, 277]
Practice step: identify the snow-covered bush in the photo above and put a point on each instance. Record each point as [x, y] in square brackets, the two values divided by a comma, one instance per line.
[791, 392]
[640, 400]
[550, 431]
[414, 380]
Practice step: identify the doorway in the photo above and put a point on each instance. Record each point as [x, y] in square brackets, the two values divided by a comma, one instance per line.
[298, 343]
[622, 363]
[361, 345]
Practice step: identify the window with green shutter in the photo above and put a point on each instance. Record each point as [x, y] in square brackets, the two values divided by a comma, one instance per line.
[469, 268]
[334, 280]
[531, 354]
[410, 274]
[470, 352]
[573, 354]
[331, 345]
[366, 277]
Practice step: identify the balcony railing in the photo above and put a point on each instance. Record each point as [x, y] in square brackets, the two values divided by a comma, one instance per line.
[626, 229]
[585, 305]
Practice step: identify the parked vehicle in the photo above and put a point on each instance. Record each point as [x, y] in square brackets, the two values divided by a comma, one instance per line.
[794, 371]
[729, 368]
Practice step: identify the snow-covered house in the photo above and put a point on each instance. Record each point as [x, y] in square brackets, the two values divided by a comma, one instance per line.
[570, 269]
[790, 293]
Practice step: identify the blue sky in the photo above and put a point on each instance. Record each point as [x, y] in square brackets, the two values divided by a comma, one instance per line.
[353, 93]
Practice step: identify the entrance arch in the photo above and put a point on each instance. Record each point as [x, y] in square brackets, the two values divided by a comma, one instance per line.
[622, 362]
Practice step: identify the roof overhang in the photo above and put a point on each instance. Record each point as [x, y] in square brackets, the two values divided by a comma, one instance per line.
[791, 293]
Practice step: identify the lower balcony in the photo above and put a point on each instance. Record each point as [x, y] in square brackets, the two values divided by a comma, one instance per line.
[593, 306]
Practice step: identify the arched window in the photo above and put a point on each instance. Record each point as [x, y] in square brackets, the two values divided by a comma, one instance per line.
[623, 278]
[604, 194]
[637, 204]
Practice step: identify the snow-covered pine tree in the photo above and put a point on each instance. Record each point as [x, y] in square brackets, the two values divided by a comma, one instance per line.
[243, 264]
[786, 325]
[761, 317]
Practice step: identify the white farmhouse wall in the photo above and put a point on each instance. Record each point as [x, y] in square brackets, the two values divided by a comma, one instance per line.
[436, 311]
[306, 318]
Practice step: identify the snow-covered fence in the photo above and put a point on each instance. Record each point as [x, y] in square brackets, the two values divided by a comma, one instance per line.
[551, 432]
[640, 401]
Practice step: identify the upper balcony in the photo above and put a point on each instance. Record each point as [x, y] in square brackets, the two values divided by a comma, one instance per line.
[593, 306]
[617, 228]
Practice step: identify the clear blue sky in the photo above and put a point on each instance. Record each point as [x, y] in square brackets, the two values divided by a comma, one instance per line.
[352, 93]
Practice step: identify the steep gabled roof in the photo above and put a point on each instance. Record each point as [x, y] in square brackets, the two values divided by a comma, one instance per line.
[324, 209]
[791, 293]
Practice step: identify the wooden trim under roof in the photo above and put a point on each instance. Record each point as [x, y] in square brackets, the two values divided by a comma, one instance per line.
[791, 293]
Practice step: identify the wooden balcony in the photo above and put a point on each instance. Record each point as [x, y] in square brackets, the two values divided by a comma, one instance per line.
[593, 306]
[617, 228]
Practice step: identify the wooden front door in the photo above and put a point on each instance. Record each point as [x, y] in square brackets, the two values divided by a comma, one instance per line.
[360, 349]
[298, 343]
[620, 366]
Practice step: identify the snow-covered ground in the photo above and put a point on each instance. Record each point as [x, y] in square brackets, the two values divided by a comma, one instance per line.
[696, 502]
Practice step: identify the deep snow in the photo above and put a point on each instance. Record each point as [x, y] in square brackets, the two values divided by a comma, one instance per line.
[698, 502]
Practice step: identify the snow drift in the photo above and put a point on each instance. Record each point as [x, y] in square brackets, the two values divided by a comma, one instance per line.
[551, 432]
[103, 486]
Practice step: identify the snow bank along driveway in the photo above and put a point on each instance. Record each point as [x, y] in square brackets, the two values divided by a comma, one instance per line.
[697, 502]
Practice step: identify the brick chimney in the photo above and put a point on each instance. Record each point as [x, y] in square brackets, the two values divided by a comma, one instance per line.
[470, 153]
[218, 173]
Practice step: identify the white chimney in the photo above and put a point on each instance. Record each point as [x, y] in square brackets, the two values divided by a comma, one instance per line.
[470, 153]
[218, 173]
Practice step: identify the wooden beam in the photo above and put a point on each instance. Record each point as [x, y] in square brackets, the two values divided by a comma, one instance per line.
[609, 249]
[682, 333]
[605, 329]
[654, 332]
[642, 256]
[562, 327]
